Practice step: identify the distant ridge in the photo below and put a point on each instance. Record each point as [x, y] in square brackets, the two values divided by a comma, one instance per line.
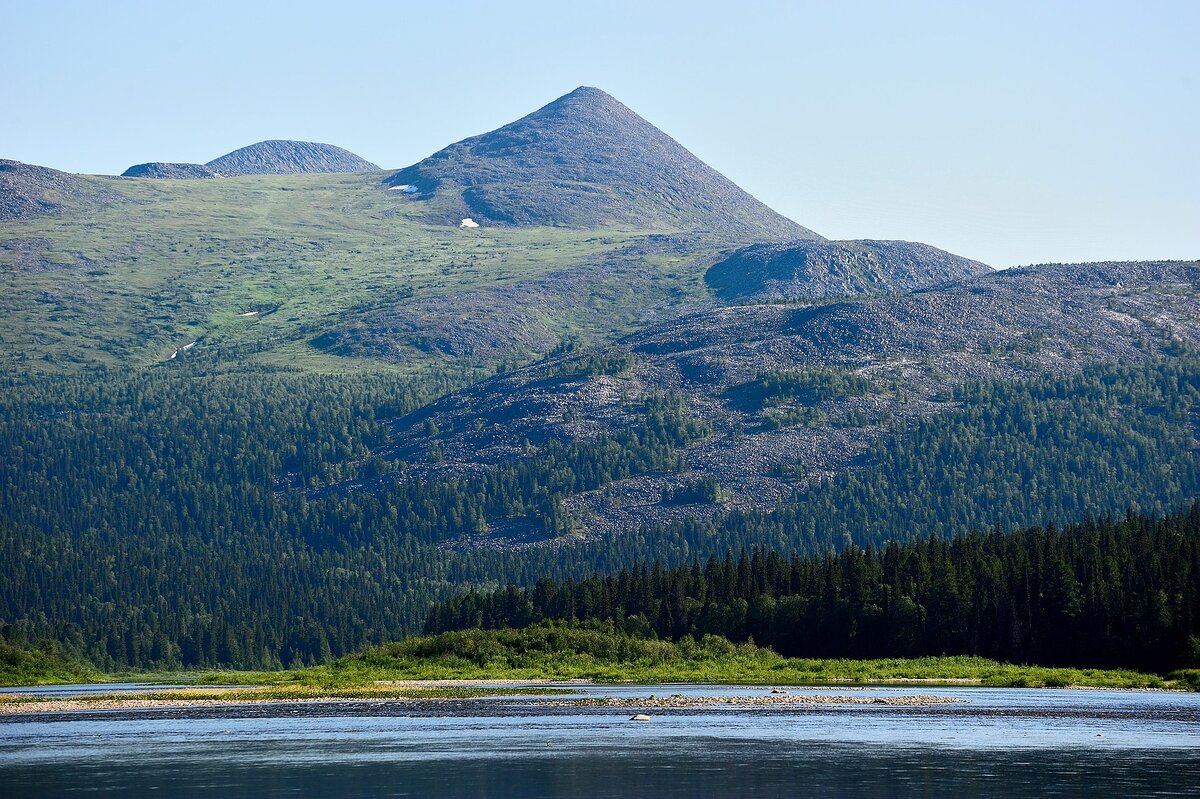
[587, 161]
[282, 157]
[28, 191]
[160, 169]
[819, 269]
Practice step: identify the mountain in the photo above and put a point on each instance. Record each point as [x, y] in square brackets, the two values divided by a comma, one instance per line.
[806, 390]
[586, 161]
[28, 191]
[323, 412]
[818, 269]
[159, 169]
[346, 272]
[281, 157]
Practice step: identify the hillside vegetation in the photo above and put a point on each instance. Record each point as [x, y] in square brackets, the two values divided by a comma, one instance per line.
[201, 519]
[798, 394]
[259, 269]
[604, 652]
[43, 663]
[1110, 593]
[264, 420]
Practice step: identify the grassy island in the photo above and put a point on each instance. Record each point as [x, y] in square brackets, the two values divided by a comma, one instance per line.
[474, 663]
[598, 652]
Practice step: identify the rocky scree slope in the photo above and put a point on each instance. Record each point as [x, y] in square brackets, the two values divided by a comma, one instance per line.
[900, 356]
[282, 157]
[28, 191]
[819, 269]
[587, 161]
[166, 171]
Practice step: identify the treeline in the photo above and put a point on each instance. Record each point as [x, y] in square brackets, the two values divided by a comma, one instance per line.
[1110, 593]
[41, 662]
[192, 519]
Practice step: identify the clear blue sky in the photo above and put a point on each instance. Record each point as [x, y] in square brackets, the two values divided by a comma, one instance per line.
[1011, 132]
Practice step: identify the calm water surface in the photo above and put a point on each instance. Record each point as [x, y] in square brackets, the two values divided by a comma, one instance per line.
[1000, 742]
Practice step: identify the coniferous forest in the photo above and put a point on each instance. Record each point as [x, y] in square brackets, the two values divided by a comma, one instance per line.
[255, 519]
[1115, 592]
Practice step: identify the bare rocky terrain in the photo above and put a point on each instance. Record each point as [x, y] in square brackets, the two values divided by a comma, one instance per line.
[901, 355]
[809, 270]
[166, 171]
[28, 191]
[282, 157]
[586, 161]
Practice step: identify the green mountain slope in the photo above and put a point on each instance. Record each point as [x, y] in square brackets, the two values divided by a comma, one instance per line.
[593, 224]
[256, 268]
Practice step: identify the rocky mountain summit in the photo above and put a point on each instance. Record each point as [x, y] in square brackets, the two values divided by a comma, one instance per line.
[282, 157]
[818, 269]
[167, 171]
[28, 191]
[841, 373]
[586, 161]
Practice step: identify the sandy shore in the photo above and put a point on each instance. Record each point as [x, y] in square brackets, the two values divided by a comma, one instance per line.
[678, 701]
[481, 683]
[85, 705]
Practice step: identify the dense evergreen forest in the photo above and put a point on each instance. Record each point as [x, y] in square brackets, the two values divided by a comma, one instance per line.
[195, 518]
[1110, 593]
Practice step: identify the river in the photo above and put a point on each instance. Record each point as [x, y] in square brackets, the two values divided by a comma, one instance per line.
[996, 742]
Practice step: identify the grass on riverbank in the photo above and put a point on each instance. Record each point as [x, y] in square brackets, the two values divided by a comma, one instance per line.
[42, 664]
[552, 652]
[562, 652]
[270, 692]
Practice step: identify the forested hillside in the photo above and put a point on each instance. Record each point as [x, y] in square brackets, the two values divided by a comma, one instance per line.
[195, 518]
[796, 394]
[1112, 593]
[252, 417]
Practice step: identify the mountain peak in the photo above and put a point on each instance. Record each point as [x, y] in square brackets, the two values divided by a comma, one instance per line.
[285, 157]
[585, 160]
[587, 96]
[169, 171]
[589, 93]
